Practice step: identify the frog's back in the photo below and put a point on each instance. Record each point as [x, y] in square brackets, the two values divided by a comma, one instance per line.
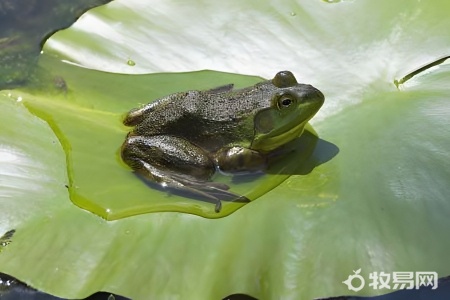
[210, 119]
[233, 105]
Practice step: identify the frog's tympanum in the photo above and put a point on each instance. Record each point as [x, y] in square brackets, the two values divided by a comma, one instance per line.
[180, 140]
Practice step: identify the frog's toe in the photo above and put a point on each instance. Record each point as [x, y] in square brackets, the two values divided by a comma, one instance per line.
[219, 193]
[203, 194]
[214, 191]
[218, 185]
[218, 207]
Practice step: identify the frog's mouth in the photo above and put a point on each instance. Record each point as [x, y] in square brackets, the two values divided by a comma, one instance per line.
[268, 143]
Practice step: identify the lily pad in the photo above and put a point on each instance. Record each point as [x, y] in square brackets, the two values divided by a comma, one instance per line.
[379, 205]
[90, 131]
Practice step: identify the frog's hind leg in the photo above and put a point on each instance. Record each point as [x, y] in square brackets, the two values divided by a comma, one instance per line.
[175, 163]
[214, 191]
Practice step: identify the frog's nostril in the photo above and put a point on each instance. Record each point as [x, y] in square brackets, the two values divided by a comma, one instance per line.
[320, 95]
[312, 94]
[315, 93]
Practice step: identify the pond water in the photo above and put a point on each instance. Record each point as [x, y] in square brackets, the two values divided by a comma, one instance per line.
[24, 26]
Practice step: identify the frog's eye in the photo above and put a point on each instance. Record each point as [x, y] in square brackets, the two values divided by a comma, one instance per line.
[285, 101]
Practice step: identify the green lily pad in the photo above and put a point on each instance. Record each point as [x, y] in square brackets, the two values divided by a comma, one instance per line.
[379, 205]
[91, 132]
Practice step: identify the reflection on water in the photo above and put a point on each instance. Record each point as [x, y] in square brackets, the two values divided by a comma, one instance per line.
[25, 25]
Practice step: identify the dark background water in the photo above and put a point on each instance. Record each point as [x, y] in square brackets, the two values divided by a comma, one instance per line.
[25, 25]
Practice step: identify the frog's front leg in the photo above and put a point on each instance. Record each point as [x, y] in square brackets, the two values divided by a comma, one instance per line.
[240, 160]
[176, 163]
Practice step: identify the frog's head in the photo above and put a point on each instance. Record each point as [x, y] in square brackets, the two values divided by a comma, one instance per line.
[292, 105]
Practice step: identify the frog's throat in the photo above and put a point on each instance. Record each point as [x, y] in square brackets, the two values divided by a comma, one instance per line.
[264, 143]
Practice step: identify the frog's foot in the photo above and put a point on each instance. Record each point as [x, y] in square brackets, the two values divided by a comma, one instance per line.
[214, 191]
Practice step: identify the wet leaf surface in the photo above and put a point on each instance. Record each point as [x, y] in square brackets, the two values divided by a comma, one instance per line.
[380, 203]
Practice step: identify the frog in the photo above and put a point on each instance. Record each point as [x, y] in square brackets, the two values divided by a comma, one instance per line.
[181, 140]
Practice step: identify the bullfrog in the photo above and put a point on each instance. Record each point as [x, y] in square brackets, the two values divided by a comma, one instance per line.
[179, 141]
